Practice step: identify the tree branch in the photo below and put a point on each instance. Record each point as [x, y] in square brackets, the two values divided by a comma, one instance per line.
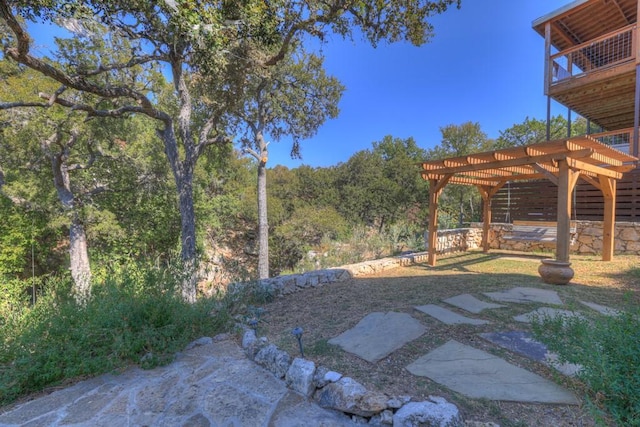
[21, 54]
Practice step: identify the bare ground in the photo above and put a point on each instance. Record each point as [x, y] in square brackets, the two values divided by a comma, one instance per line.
[327, 311]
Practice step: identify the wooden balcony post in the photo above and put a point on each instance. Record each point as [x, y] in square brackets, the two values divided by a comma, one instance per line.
[633, 150]
[547, 57]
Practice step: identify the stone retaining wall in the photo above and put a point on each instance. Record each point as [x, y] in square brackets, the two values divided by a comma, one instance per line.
[455, 240]
[458, 239]
[284, 285]
[586, 240]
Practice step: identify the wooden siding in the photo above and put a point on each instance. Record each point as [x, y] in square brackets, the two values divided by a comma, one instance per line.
[537, 200]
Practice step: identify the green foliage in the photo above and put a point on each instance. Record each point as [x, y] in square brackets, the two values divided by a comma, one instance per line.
[459, 203]
[607, 349]
[135, 316]
[361, 245]
[382, 185]
[308, 226]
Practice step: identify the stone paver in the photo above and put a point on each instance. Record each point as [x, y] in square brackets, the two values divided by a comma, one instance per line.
[480, 375]
[523, 343]
[213, 384]
[379, 334]
[471, 304]
[545, 312]
[526, 295]
[602, 309]
[449, 317]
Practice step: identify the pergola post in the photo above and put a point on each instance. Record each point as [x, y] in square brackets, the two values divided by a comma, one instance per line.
[567, 179]
[487, 194]
[608, 187]
[486, 219]
[435, 188]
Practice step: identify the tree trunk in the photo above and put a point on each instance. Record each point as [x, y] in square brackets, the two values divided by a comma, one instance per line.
[263, 222]
[188, 235]
[78, 252]
[79, 260]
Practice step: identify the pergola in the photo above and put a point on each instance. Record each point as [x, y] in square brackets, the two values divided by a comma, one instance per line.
[562, 161]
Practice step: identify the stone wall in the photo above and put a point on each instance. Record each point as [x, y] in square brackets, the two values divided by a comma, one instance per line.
[587, 238]
[456, 240]
[283, 285]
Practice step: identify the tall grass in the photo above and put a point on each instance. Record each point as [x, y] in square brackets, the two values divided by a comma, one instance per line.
[135, 316]
[363, 244]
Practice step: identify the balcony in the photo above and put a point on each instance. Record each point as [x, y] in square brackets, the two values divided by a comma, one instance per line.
[590, 59]
[597, 78]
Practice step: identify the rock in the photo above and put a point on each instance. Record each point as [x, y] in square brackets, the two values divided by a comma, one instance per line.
[397, 402]
[436, 412]
[249, 338]
[480, 424]
[323, 376]
[630, 234]
[199, 342]
[384, 418]
[299, 376]
[274, 360]
[347, 395]
[251, 344]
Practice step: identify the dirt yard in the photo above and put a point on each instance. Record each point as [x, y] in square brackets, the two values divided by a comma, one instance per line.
[325, 312]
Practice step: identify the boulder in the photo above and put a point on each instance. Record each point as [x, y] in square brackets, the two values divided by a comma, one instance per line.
[299, 376]
[349, 396]
[435, 412]
[274, 360]
[324, 376]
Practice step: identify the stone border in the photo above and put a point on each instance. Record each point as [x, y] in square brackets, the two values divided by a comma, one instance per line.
[284, 285]
[332, 390]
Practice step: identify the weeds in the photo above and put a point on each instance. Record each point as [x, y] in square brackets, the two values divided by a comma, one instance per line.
[134, 317]
[608, 349]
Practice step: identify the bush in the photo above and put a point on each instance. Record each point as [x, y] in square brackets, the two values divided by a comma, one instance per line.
[134, 318]
[608, 350]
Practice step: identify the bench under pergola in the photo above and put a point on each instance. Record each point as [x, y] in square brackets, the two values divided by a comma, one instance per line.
[561, 161]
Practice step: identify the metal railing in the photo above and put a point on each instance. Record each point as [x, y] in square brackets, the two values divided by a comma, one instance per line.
[620, 138]
[605, 51]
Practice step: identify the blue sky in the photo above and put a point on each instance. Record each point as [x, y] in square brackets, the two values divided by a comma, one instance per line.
[485, 65]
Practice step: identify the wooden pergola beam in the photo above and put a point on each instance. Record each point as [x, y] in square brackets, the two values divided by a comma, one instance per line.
[563, 162]
[525, 160]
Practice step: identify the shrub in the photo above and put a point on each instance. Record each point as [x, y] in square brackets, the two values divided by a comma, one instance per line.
[134, 318]
[607, 347]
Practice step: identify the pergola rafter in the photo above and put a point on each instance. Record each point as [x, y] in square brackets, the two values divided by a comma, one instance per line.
[562, 161]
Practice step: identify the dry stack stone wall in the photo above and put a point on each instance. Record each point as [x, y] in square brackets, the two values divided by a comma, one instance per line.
[587, 238]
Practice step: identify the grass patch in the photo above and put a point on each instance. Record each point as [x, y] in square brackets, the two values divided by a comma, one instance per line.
[133, 317]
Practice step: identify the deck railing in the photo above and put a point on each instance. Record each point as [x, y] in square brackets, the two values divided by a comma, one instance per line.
[620, 137]
[603, 52]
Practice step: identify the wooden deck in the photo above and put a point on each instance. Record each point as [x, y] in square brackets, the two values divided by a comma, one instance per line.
[591, 59]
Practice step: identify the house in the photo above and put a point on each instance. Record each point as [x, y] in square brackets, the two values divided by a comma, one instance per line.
[591, 65]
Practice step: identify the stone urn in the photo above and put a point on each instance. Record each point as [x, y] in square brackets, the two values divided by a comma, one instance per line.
[555, 272]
